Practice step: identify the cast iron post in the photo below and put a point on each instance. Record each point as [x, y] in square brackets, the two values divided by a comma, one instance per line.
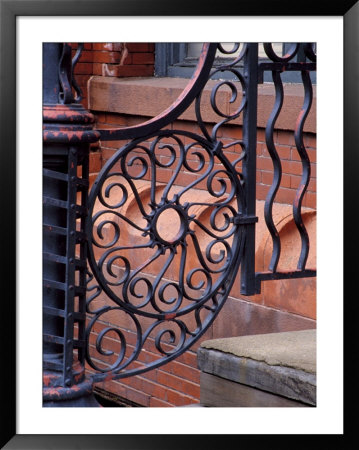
[248, 286]
[67, 134]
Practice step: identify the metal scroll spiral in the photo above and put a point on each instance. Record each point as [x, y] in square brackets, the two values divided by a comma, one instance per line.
[164, 253]
[70, 91]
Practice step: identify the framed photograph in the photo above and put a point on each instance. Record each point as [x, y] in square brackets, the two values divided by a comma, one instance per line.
[24, 27]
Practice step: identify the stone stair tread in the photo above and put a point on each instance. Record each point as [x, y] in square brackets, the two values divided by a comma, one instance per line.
[295, 349]
[282, 364]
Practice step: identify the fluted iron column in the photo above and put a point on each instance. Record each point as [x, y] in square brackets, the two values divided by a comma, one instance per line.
[67, 134]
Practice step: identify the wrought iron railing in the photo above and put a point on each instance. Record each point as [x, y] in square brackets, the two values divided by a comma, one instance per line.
[150, 285]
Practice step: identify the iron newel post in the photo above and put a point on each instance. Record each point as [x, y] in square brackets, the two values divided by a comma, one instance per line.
[67, 134]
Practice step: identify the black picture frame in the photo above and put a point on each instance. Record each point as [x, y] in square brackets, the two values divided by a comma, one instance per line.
[9, 10]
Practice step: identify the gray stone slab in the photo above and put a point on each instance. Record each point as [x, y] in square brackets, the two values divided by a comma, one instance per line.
[219, 392]
[282, 363]
[295, 349]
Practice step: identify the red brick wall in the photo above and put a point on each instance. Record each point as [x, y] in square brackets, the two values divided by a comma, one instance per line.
[285, 145]
[113, 59]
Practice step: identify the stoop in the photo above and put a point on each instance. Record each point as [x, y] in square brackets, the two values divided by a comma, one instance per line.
[264, 370]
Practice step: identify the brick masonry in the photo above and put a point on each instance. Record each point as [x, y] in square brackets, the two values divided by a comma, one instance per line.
[284, 142]
[282, 305]
[113, 60]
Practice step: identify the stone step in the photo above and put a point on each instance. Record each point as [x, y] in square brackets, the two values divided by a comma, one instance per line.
[276, 369]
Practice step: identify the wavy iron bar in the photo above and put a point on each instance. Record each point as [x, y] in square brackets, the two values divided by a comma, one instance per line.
[277, 170]
[298, 136]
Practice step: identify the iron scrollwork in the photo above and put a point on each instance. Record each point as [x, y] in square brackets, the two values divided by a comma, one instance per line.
[171, 218]
[165, 255]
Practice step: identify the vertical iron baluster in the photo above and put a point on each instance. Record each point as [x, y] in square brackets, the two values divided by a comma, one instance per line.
[81, 262]
[277, 170]
[298, 136]
[70, 269]
[249, 166]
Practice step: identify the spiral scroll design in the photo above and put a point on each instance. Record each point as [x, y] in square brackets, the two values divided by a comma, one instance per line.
[236, 87]
[70, 91]
[169, 215]
[164, 255]
[116, 190]
[290, 54]
[166, 242]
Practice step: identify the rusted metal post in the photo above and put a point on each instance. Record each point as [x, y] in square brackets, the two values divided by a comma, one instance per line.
[67, 134]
